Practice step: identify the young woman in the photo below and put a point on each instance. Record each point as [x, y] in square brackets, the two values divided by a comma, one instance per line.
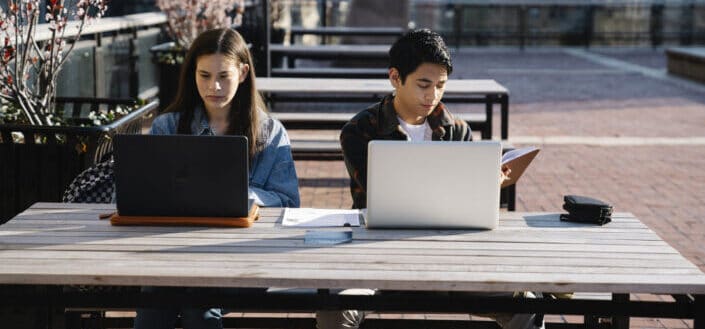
[217, 96]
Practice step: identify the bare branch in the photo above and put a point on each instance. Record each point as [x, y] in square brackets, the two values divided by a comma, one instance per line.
[26, 56]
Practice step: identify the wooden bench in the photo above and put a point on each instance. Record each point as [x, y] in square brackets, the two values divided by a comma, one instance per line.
[331, 51]
[687, 62]
[330, 149]
[336, 121]
[361, 53]
[296, 321]
[381, 31]
[325, 51]
[331, 72]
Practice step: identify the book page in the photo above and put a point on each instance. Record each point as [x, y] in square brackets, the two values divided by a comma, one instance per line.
[315, 217]
[516, 153]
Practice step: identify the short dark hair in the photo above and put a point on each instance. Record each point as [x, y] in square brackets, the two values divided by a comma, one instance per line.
[417, 47]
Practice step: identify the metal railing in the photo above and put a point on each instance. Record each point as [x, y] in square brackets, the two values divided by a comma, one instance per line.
[112, 58]
[636, 23]
[535, 22]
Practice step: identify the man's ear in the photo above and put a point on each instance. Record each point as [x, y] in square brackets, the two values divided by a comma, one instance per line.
[394, 77]
[244, 70]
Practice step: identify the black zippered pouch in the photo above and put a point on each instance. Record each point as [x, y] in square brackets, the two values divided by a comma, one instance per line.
[584, 209]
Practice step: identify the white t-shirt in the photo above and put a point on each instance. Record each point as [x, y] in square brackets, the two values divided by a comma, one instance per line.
[416, 133]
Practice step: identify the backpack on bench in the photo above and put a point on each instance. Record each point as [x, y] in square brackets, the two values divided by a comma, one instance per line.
[94, 185]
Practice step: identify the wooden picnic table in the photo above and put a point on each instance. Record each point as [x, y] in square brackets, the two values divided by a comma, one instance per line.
[54, 245]
[688, 62]
[335, 51]
[488, 92]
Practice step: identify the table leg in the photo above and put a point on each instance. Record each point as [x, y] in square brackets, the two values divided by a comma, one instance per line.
[504, 116]
[620, 322]
[511, 197]
[44, 312]
[32, 317]
[487, 129]
[699, 321]
[590, 321]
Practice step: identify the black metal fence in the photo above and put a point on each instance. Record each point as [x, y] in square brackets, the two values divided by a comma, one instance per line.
[538, 22]
[40, 165]
[623, 24]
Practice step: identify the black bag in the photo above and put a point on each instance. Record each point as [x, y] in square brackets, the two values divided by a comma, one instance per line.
[586, 210]
[94, 185]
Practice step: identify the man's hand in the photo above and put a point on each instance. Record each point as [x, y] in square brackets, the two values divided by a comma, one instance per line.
[504, 174]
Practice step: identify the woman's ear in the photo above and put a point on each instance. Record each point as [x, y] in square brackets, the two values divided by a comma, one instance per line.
[394, 77]
[244, 70]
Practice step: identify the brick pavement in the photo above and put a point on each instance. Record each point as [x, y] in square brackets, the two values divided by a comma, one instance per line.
[557, 93]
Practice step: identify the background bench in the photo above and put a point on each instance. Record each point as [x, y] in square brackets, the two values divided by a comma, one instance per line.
[326, 50]
[332, 51]
[687, 62]
[330, 149]
[358, 53]
[331, 72]
[381, 31]
[335, 121]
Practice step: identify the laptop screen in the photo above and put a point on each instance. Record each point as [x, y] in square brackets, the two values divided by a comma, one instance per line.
[181, 175]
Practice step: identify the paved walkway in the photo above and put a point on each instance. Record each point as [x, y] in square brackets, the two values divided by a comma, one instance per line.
[611, 124]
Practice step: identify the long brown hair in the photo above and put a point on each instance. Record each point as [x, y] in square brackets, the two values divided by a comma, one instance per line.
[244, 109]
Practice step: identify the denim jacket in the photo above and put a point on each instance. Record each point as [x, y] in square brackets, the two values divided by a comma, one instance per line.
[380, 121]
[272, 176]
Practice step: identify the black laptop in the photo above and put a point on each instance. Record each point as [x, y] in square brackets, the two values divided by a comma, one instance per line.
[181, 175]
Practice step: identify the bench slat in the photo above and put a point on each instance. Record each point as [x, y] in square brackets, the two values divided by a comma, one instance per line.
[346, 30]
[330, 72]
[331, 51]
[324, 121]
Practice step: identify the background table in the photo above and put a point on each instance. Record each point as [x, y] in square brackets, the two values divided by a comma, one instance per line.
[487, 92]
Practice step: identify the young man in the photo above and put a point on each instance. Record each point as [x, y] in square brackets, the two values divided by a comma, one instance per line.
[419, 67]
[418, 70]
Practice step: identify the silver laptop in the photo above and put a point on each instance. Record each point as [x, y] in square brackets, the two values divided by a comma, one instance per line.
[437, 184]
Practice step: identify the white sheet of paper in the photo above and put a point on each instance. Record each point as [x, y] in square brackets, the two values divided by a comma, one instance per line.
[315, 217]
